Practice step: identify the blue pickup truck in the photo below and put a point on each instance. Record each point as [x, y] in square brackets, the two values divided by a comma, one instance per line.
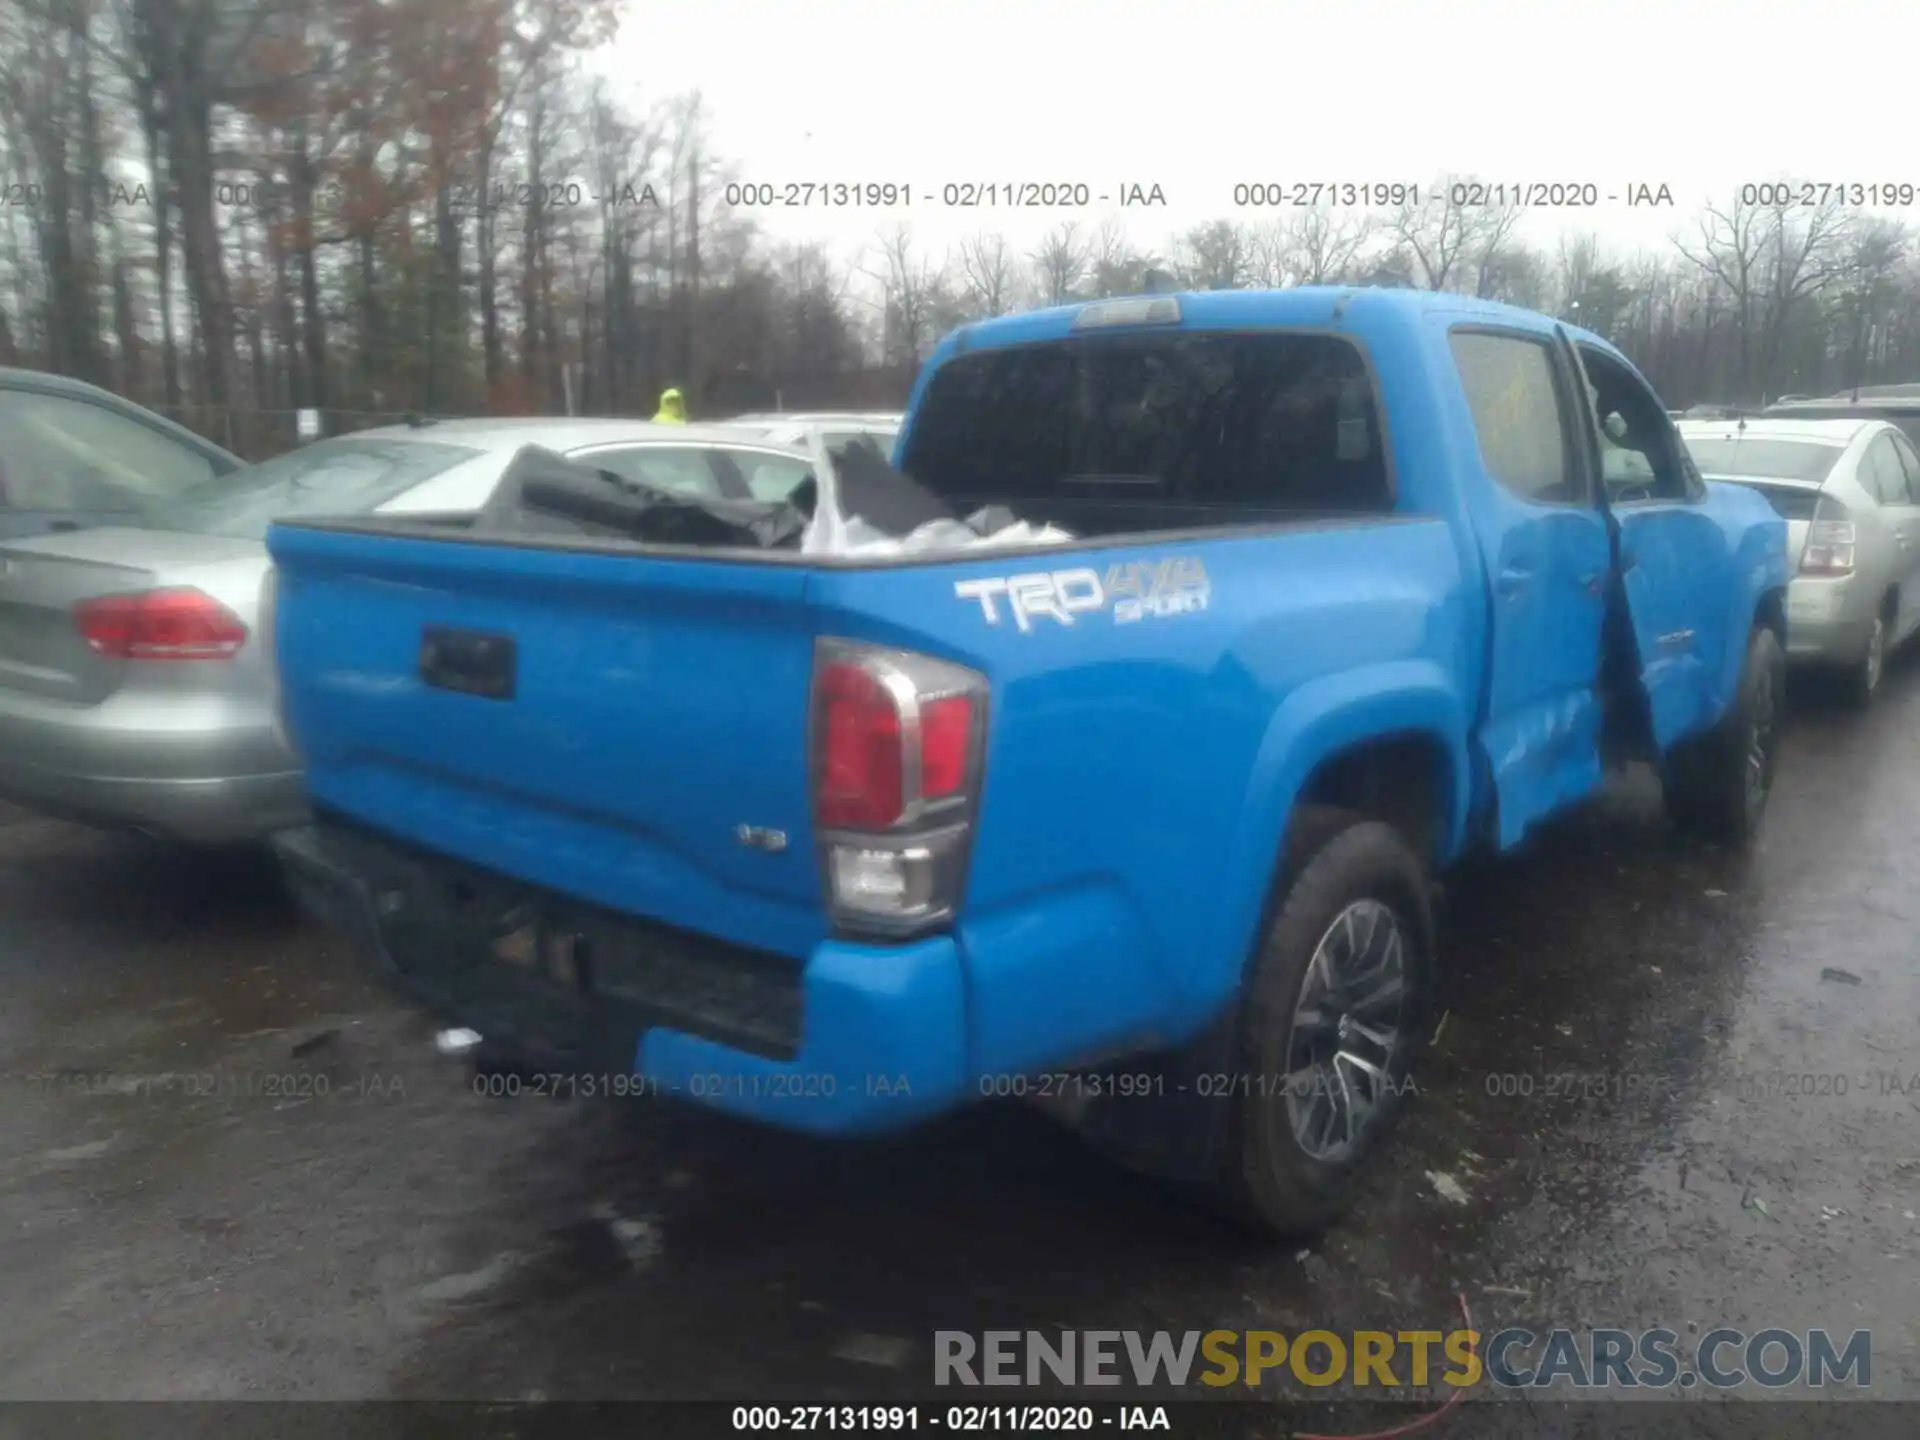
[1141, 821]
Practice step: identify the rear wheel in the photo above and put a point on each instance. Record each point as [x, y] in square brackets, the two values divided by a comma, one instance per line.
[1863, 680]
[1718, 785]
[1336, 1013]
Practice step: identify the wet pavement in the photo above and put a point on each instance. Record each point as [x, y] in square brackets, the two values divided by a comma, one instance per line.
[232, 1167]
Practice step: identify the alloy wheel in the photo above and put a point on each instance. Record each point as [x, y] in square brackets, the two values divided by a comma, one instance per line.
[1345, 1040]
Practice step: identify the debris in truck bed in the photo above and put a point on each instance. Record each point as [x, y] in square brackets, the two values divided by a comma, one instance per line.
[874, 510]
[868, 489]
[883, 511]
[859, 538]
[542, 493]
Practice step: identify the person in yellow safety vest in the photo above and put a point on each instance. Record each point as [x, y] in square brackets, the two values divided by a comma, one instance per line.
[673, 409]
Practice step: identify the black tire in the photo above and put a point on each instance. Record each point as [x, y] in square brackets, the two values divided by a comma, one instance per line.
[1707, 780]
[1863, 679]
[1276, 1184]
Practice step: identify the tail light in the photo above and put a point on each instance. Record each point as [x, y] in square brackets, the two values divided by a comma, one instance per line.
[1830, 541]
[174, 624]
[897, 749]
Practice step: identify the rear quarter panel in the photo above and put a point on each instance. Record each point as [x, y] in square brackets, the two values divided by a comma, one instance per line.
[1139, 774]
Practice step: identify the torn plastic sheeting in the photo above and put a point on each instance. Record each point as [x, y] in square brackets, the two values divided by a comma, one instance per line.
[859, 538]
[542, 493]
[878, 510]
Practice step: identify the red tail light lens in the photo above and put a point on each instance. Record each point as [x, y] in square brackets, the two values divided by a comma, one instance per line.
[1829, 549]
[174, 624]
[946, 746]
[862, 778]
[897, 753]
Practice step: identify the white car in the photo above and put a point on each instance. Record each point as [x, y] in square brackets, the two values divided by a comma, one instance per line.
[1849, 491]
[835, 429]
[135, 658]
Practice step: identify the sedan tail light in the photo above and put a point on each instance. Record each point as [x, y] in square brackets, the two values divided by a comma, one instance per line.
[173, 624]
[1830, 542]
[897, 744]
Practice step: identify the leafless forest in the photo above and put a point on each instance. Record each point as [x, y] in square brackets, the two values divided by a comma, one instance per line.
[229, 210]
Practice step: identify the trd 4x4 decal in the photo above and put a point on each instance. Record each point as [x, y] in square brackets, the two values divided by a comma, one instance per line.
[1133, 590]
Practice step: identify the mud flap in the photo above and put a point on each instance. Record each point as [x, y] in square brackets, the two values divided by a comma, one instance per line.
[1182, 1131]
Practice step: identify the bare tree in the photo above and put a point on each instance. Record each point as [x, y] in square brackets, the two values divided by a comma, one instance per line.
[1116, 266]
[988, 267]
[912, 287]
[1499, 264]
[1435, 238]
[1809, 253]
[1061, 263]
[1867, 292]
[1321, 246]
[1217, 256]
[1730, 251]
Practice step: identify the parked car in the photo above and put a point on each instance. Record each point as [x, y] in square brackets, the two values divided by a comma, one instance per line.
[1143, 818]
[1896, 404]
[73, 455]
[836, 429]
[134, 679]
[1849, 491]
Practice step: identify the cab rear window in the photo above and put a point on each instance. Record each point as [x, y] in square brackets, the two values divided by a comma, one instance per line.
[1211, 425]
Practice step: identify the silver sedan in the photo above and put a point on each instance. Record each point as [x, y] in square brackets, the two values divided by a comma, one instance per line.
[136, 685]
[1849, 491]
[833, 429]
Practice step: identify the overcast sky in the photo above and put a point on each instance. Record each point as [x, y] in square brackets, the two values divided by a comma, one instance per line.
[1698, 95]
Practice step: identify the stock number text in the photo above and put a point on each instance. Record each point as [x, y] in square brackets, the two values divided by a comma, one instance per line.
[1794, 193]
[1313, 194]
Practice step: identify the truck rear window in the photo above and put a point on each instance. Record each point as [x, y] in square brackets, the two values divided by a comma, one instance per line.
[1114, 432]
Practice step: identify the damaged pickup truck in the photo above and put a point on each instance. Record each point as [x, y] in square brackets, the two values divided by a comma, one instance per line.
[1316, 590]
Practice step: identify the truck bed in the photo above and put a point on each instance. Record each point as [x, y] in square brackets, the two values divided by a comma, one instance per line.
[630, 709]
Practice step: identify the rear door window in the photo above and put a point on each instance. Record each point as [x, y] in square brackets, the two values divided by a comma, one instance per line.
[61, 453]
[768, 476]
[1142, 431]
[1880, 473]
[687, 469]
[1519, 415]
[1909, 466]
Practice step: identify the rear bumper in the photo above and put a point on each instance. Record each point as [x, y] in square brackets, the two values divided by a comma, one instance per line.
[218, 810]
[207, 769]
[1828, 621]
[876, 1040]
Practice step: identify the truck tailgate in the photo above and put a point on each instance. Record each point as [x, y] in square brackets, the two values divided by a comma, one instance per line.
[599, 724]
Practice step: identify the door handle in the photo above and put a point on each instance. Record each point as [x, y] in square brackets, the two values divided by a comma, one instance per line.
[468, 662]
